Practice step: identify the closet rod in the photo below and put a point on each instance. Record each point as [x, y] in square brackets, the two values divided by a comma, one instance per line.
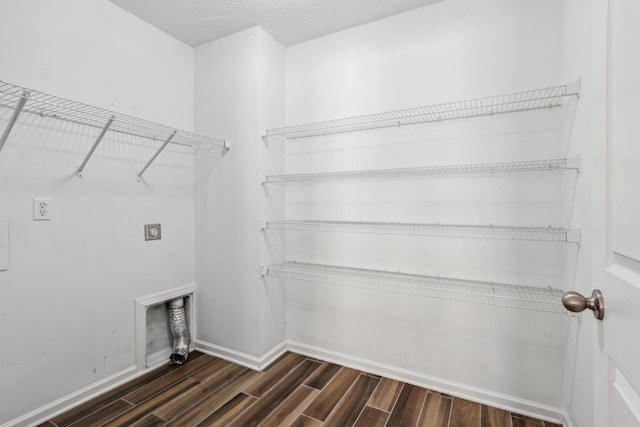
[14, 117]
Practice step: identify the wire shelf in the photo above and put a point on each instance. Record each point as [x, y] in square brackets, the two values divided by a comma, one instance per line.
[510, 103]
[424, 171]
[489, 293]
[494, 232]
[51, 106]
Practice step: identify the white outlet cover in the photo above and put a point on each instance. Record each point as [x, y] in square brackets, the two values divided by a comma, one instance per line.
[41, 209]
[4, 244]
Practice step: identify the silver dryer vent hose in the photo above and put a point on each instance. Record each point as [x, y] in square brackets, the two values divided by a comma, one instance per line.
[178, 324]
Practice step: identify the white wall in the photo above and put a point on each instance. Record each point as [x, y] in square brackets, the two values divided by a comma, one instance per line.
[455, 50]
[239, 87]
[67, 306]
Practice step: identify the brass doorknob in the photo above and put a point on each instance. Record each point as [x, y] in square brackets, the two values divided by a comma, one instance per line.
[574, 301]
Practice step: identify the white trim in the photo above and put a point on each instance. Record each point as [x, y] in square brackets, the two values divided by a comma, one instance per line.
[76, 398]
[244, 359]
[273, 354]
[141, 306]
[166, 295]
[567, 421]
[486, 397]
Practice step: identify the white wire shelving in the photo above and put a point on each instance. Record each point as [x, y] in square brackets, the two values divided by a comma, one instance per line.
[425, 171]
[23, 100]
[490, 293]
[492, 232]
[509, 103]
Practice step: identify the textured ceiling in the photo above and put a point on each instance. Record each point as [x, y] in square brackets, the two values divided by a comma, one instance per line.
[290, 21]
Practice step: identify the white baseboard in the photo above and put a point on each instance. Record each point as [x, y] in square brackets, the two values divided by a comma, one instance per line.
[487, 397]
[69, 401]
[244, 359]
[567, 421]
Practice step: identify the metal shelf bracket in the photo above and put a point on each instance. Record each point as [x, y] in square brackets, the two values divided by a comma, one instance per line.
[575, 88]
[95, 145]
[156, 155]
[263, 224]
[574, 236]
[14, 117]
[263, 271]
[574, 163]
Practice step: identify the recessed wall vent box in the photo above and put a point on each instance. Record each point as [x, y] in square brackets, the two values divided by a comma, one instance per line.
[4, 244]
[154, 342]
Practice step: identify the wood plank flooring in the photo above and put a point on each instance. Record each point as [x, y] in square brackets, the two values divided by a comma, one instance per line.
[293, 391]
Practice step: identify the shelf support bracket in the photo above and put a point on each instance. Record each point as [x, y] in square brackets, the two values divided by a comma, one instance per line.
[574, 163]
[14, 117]
[95, 145]
[263, 271]
[157, 154]
[575, 88]
[574, 237]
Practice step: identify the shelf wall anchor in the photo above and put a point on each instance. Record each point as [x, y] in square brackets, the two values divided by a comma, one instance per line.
[575, 88]
[575, 236]
[574, 163]
[157, 154]
[95, 145]
[14, 117]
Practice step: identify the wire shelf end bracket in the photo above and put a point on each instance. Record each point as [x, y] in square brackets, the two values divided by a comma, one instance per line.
[14, 117]
[574, 236]
[575, 88]
[574, 163]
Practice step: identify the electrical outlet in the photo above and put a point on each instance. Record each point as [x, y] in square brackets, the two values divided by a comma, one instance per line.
[152, 232]
[41, 209]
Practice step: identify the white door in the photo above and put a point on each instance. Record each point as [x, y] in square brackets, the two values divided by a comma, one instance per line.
[616, 211]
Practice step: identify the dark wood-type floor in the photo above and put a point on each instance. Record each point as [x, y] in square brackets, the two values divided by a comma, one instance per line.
[293, 391]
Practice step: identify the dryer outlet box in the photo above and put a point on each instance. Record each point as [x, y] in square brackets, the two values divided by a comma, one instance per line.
[152, 232]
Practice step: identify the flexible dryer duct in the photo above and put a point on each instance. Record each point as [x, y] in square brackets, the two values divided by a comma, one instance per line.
[179, 331]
